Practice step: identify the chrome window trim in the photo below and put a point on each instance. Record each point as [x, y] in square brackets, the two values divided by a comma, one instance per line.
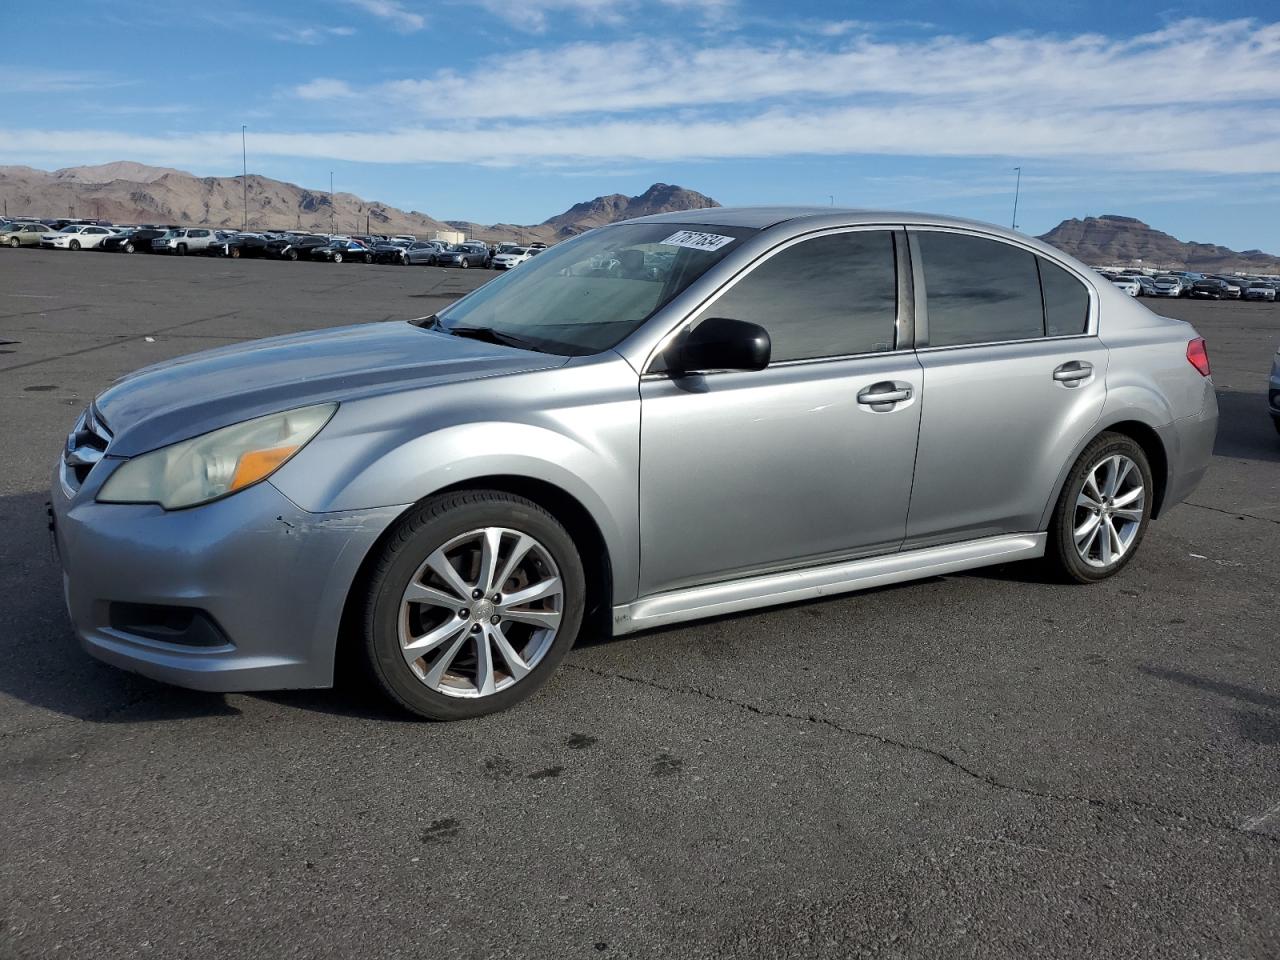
[694, 312]
[922, 299]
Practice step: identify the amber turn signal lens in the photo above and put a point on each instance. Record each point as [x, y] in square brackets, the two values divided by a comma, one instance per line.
[256, 464]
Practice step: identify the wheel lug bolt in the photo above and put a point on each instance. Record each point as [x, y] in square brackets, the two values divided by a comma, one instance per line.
[464, 613]
[497, 598]
[495, 619]
[477, 594]
[475, 628]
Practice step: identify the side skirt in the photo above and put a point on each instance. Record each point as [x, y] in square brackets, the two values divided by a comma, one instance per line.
[771, 589]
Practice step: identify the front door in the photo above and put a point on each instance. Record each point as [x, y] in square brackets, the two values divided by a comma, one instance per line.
[800, 463]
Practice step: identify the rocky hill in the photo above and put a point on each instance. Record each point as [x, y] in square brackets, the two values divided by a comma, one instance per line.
[1116, 240]
[128, 192]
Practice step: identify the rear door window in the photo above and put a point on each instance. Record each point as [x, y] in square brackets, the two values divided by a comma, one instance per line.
[1066, 301]
[979, 290]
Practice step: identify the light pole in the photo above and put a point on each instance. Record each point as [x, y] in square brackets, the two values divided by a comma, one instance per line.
[244, 176]
[331, 202]
[1016, 191]
[831, 199]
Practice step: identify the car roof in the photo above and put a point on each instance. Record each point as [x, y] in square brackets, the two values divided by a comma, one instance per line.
[763, 217]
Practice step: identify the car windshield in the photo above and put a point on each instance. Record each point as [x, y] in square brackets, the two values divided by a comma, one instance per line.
[71, 228]
[587, 294]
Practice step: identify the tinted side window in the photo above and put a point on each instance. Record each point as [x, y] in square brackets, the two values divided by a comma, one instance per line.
[979, 290]
[1066, 301]
[826, 297]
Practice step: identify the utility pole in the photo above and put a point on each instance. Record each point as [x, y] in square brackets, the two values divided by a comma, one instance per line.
[831, 199]
[244, 175]
[1017, 190]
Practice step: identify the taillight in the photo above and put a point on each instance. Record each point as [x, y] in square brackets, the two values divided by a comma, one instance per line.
[1198, 356]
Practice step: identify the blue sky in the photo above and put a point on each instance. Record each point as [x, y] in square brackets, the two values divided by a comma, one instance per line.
[511, 110]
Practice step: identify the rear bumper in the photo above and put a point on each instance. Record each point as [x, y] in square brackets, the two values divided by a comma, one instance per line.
[1191, 450]
[273, 578]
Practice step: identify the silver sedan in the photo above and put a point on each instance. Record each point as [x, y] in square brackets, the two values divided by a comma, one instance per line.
[675, 417]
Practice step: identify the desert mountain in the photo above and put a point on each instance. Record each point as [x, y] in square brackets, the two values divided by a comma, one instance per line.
[128, 192]
[1116, 240]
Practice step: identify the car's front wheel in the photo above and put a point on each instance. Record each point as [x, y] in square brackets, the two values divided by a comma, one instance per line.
[476, 598]
[1103, 511]
[14, 242]
[337, 258]
[74, 245]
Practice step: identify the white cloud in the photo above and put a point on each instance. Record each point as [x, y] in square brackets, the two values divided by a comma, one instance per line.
[395, 12]
[536, 15]
[1194, 97]
[311, 36]
[1189, 63]
[324, 88]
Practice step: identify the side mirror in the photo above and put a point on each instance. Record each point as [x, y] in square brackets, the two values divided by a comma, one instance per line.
[720, 343]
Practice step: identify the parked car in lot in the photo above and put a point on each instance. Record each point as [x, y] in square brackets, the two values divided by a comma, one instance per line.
[1235, 286]
[512, 257]
[18, 234]
[336, 251]
[1166, 286]
[132, 241]
[294, 247]
[1210, 288]
[1128, 283]
[422, 252]
[805, 402]
[76, 236]
[1259, 290]
[464, 255]
[183, 241]
[236, 245]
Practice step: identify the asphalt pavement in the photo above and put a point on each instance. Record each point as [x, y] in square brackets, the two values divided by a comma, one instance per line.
[983, 765]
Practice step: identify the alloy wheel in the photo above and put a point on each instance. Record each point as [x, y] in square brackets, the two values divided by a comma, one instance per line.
[481, 612]
[1109, 510]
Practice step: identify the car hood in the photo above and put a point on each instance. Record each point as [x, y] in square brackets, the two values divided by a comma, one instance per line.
[183, 398]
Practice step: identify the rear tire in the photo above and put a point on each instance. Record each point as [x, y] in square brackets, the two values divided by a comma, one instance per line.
[434, 529]
[1099, 522]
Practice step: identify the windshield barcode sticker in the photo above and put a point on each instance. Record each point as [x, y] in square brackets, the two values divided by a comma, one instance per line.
[697, 241]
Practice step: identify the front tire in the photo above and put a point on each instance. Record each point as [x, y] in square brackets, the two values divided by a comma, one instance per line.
[337, 258]
[73, 245]
[182, 249]
[1103, 511]
[14, 242]
[475, 600]
[464, 263]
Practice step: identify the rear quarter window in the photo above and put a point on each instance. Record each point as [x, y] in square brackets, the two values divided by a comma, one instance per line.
[1066, 301]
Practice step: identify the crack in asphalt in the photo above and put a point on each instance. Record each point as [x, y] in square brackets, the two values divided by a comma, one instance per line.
[1231, 513]
[1116, 807]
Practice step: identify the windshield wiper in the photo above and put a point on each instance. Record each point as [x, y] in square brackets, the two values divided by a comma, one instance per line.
[492, 336]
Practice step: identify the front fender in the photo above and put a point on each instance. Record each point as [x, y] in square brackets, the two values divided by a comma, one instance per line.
[589, 450]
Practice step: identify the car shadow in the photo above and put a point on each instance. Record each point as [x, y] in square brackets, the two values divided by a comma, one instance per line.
[1260, 726]
[1245, 430]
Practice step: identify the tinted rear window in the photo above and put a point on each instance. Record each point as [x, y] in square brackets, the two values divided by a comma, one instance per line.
[979, 290]
[1066, 301]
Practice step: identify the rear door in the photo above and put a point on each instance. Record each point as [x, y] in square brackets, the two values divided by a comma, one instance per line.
[1014, 379]
[749, 472]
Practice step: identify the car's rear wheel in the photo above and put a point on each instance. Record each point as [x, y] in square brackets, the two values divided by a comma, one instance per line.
[476, 598]
[368, 258]
[1103, 510]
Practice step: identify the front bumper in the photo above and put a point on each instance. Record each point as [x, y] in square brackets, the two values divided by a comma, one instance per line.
[273, 578]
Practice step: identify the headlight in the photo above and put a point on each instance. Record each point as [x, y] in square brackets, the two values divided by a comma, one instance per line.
[216, 464]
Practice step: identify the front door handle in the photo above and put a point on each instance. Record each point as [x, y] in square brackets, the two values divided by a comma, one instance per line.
[885, 392]
[1072, 372]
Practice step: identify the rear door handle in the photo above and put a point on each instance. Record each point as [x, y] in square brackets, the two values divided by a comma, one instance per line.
[886, 392]
[1073, 371]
